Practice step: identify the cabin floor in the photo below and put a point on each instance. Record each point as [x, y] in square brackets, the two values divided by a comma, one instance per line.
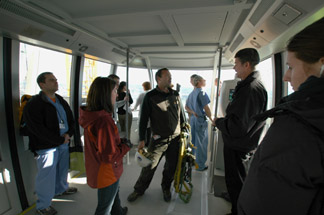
[201, 203]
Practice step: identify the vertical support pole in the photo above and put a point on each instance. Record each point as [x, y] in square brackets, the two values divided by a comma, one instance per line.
[214, 148]
[127, 102]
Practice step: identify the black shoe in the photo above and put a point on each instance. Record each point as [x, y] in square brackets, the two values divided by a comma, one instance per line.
[167, 195]
[69, 191]
[46, 211]
[133, 196]
[124, 210]
[225, 196]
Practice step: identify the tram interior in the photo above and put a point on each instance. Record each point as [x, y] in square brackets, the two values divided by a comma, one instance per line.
[143, 35]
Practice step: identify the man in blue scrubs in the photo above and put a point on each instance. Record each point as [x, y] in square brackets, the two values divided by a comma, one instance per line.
[50, 125]
[197, 106]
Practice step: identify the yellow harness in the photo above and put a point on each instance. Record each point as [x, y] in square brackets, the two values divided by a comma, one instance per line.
[182, 177]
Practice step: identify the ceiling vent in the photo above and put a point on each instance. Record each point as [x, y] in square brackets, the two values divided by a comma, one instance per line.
[18, 10]
[259, 12]
[287, 14]
[236, 42]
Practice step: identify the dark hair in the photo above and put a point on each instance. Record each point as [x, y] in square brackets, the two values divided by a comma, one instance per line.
[113, 76]
[146, 85]
[99, 96]
[308, 44]
[41, 77]
[250, 55]
[121, 87]
[159, 73]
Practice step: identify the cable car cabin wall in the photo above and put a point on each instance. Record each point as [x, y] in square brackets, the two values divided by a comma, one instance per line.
[132, 39]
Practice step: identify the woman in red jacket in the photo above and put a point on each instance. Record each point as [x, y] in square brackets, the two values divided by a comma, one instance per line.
[104, 149]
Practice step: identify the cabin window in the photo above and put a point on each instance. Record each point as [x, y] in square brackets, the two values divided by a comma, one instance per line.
[34, 60]
[265, 68]
[136, 77]
[91, 70]
[182, 77]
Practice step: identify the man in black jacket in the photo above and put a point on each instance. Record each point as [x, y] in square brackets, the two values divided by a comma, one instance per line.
[162, 107]
[50, 126]
[240, 131]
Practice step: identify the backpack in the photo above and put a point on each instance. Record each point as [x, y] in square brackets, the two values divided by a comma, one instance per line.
[22, 123]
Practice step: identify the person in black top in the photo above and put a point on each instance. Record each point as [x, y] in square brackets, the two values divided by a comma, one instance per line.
[287, 172]
[240, 131]
[162, 106]
[122, 109]
[50, 124]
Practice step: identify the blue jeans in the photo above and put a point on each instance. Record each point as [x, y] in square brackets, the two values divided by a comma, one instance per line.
[51, 179]
[201, 135]
[106, 197]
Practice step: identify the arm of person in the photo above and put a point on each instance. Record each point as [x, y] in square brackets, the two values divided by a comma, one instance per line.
[204, 100]
[139, 101]
[237, 121]
[130, 99]
[144, 117]
[120, 103]
[110, 148]
[141, 145]
[191, 112]
[208, 112]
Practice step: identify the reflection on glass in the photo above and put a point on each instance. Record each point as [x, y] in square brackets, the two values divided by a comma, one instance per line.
[34, 60]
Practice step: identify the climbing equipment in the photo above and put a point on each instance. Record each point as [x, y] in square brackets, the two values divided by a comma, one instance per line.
[182, 177]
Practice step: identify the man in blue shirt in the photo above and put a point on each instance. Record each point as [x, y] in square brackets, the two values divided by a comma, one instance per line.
[197, 106]
[50, 125]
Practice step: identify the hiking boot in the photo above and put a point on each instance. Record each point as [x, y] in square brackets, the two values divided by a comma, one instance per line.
[46, 211]
[133, 196]
[124, 210]
[69, 191]
[167, 195]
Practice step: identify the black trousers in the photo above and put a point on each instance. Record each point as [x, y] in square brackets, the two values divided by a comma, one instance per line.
[158, 150]
[235, 173]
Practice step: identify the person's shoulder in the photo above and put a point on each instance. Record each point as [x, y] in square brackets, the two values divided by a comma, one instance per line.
[34, 100]
[151, 92]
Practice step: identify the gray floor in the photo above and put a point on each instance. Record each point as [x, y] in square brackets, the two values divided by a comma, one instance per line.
[201, 203]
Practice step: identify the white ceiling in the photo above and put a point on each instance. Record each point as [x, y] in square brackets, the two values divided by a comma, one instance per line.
[161, 33]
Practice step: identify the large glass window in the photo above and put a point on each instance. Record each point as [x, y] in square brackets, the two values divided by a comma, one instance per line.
[92, 69]
[136, 78]
[266, 71]
[227, 74]
[34, 61]
[182, 77]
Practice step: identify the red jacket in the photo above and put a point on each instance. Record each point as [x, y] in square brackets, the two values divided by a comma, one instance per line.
[102, 148]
